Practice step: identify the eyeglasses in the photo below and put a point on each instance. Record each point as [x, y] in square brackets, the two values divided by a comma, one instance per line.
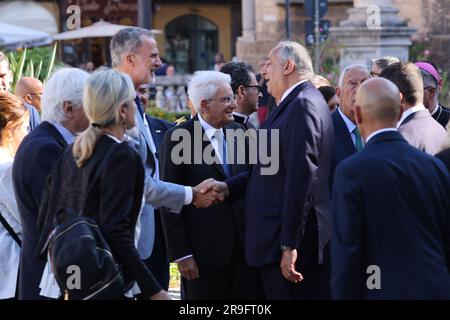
[225, 100]
[258, 88]
[36, 94]
[373, 74]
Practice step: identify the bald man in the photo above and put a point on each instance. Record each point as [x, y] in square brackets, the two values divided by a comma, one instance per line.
[30, 91]
[391, 211]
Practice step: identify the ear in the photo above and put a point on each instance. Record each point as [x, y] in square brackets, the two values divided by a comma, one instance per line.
[204, 106]
[68, 110]
[27, 98]
[432, 93]
[338, 92]
[130, 60]
[123, 112]
[240, 90]
[289, 67]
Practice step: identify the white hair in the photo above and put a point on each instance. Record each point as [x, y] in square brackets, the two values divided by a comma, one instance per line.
[204, 85]
[65, 84]
[290, 50]
[126, 41]
[347, 69]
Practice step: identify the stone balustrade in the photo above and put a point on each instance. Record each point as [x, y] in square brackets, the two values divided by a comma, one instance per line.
[171, 93]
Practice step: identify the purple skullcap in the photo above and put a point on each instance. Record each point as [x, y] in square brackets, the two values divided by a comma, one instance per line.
[430, 69]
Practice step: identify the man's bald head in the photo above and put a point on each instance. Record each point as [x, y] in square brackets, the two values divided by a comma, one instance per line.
[30, 90]
[378, 106]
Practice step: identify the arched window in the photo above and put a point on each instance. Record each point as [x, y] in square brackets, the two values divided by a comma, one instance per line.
[191, 43]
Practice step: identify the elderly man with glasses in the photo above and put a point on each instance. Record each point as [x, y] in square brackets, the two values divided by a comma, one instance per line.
[207, 244]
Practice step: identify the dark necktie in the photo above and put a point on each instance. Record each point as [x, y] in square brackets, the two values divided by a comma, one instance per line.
[139, 106]
[358, 141]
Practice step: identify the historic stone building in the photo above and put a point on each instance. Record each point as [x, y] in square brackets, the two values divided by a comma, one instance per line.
[193, 31]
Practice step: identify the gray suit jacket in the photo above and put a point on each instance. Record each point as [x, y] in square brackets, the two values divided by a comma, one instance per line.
[423, 132]
[168, 196]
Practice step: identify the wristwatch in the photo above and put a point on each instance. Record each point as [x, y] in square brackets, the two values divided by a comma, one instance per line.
[285, 248]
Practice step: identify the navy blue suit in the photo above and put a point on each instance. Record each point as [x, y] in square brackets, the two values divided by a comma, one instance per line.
[391, 209]
[343, 144]
[285, 207]
[32, 164]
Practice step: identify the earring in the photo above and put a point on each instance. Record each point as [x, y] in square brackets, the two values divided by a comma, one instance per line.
[125, 134]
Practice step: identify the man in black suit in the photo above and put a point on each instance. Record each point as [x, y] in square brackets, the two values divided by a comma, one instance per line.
[207, 244]
[416, 125]
[347, 138]
[432, 83]
[391, 210]
[288, 204]
[246, 89]
[63, 117]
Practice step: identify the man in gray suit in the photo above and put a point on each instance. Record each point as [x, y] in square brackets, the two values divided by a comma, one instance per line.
[134, 51]
[416, 124]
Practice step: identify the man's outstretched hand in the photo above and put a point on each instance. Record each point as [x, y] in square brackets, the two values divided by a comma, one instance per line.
[209, 192]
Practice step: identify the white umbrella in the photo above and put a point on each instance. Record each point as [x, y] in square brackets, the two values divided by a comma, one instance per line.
[99, 29]
[12, 36]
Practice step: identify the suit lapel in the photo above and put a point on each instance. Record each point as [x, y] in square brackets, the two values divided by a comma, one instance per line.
[155, 131]
[342, 131]
[55, 133]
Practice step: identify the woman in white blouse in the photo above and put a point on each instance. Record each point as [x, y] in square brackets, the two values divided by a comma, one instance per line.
[14, 122]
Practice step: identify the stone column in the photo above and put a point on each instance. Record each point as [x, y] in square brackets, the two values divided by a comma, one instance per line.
[372, 30]
[248, 20]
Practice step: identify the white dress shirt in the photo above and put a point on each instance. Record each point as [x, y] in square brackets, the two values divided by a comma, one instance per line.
[288, 91]
[350, 125]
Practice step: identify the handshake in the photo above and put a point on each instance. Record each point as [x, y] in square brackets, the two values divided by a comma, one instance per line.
[209, 192]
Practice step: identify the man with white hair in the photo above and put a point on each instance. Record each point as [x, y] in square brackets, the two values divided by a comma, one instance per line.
[288, 224]
[207, 244]
[63, 117]
[134, 51]
[347, 138]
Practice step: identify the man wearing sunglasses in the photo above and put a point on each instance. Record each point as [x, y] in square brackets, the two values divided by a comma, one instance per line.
[246, 89]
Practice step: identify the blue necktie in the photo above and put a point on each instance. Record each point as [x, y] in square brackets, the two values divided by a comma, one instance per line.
[225, 165]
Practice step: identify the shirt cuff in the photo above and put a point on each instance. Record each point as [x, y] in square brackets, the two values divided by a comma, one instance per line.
[184, 258]
[188, 195]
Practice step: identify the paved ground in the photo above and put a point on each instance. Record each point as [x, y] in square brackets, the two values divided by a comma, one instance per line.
[174, 293]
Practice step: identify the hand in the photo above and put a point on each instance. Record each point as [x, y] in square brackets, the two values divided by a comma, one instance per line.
[161, 295]
[287, 266]
[209, 192]
[188, 268]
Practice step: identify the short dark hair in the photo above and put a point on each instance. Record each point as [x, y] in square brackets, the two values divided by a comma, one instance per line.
[408, 79]
[328, 92]
[239, 72]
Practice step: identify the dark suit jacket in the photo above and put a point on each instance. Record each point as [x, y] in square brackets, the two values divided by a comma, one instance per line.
[277, 205]
[343, 144]
[442, 116]
[423, 132]
[208, 234]
[391, 209]
[158, 127]
[107, 188]
[33, 162]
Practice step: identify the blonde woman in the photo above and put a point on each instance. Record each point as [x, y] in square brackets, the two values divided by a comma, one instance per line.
[117, 188]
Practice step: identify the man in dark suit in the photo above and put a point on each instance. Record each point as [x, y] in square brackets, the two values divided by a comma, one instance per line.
[432, 84]
[391, 210]
[207, 244]
[64, 117]
[246, 89]
[347, 139]
[288, 209]
[416, 125]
